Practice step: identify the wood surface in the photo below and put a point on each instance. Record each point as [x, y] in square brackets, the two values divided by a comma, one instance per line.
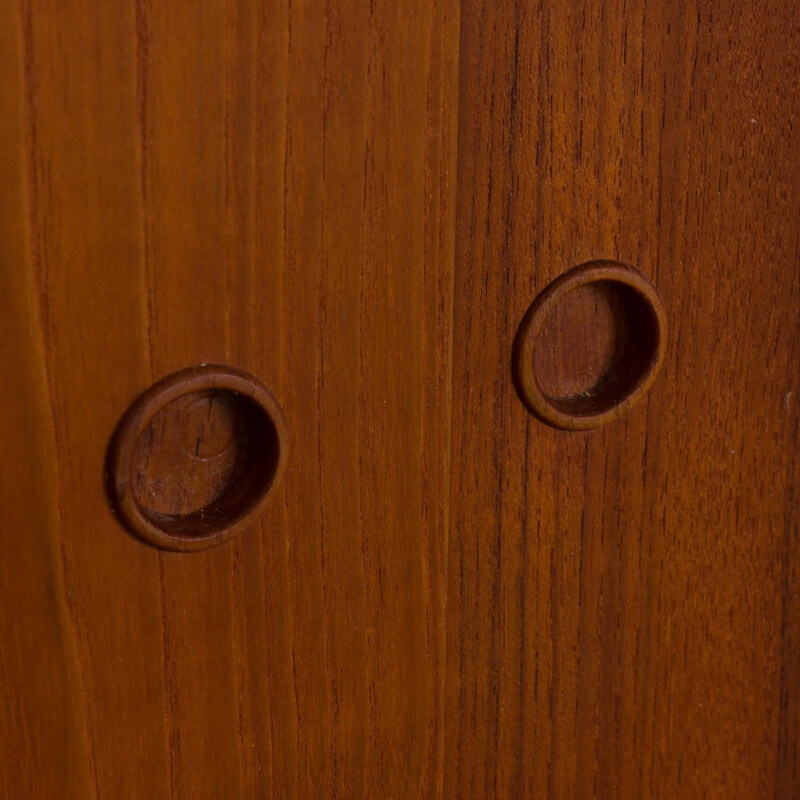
[196, 458]
[578, 365]
[356, 203]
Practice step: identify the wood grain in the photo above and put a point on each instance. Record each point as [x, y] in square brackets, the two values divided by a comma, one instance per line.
[622, 604]
[356, 203]
[269, 186]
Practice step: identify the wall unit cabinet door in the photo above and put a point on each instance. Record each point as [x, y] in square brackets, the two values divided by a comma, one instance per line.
[400, 399]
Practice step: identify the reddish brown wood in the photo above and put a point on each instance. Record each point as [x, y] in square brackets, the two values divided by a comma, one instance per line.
[356, 203]
[196, 457]
[581, 377]
[623, 604]
[268, 186]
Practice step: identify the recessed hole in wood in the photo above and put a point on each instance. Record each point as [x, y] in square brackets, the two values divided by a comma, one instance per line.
[195, 457]
[590, 345]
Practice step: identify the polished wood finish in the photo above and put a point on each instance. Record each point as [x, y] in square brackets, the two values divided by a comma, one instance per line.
[269, 186]
[196, 458]
[356, 203]
[578, 367]
[623, 609]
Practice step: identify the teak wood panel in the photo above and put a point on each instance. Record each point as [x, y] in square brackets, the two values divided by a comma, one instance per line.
[225, 182]
[623, 603]
[357, 203]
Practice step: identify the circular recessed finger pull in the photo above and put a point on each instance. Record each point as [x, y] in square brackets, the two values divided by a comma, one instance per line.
[590, 345]
[196, 457]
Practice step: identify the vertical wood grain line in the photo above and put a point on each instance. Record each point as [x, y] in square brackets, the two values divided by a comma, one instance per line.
[286, 267]
[148, 311]
[302, 136]
[319, 375]
[322, 317]
[361, 419]
[227, 235]
[170, 729]
[40, 313]
[228, 265]
[439, 236]
[148, 277]
[787, 750]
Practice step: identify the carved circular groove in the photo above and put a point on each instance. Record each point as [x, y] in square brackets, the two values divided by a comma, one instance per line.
[590, 345]
[196, 457]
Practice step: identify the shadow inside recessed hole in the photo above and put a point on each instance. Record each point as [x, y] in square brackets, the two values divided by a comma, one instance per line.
[204, 461]
[594, 347]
